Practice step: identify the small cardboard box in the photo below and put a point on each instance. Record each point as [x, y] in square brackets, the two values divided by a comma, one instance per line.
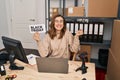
[53, 12]
[86, 48]
[74, 11]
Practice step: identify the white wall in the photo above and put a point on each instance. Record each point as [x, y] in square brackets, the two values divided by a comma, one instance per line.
[5, 17]
[41, 13]
[3, 21]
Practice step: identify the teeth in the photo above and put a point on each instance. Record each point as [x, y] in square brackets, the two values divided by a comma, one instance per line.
[58, 26]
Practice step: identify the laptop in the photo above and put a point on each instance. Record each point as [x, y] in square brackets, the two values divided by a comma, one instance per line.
[52, 65]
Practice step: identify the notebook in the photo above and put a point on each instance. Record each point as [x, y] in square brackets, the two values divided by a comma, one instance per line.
[52, 65]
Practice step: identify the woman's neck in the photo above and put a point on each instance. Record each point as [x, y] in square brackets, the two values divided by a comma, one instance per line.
[58, 32]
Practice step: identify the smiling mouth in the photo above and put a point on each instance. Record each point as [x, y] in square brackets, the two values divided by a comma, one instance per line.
[58, 26]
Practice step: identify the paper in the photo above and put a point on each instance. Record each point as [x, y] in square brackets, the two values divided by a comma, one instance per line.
[70, 10]
[32, 59]
[37, 28]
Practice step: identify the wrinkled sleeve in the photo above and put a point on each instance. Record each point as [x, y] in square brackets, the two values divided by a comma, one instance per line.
[74, 42]
[44, 46]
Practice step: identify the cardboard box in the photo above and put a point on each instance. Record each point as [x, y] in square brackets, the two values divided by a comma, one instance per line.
[86, 48]
[115, 47]
[102, 8]
[53, 12]
[113, 69]
[74, 11]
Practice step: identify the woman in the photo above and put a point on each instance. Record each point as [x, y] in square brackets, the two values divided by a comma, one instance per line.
[58, 41]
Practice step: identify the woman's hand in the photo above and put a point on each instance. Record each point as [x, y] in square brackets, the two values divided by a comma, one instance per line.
[36, 36]
[79, 33]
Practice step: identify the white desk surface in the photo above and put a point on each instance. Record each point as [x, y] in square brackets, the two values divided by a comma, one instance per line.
[30, 72]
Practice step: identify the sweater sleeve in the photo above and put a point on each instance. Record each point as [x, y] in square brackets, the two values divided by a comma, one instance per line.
[44, 46]
[74, 42]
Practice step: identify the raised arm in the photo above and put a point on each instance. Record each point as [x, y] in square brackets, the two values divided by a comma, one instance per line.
[43, 45]
[74, 41]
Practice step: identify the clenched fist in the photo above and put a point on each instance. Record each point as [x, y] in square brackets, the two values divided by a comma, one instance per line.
[36, 36]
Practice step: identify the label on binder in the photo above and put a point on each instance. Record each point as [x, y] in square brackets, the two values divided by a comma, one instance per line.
[101, 29]
[85, 28]
[76, 27]
[68, 26]
[96, 29]
[90, 28]
[72, 27]
[81, 26]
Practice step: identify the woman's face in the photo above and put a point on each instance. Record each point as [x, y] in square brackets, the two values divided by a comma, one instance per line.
[59, 24]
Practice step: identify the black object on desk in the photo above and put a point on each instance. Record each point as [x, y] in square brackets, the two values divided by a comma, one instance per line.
[2, 70]
[4, 56]
[83, 67]
[12, 64]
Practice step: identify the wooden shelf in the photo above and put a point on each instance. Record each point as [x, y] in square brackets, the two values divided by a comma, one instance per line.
[105, 42]
[97, 64]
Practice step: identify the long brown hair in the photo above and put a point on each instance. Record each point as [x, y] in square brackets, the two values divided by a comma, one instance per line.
[52, 30]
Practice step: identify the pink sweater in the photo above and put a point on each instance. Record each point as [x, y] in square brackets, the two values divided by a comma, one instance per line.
[59, 48]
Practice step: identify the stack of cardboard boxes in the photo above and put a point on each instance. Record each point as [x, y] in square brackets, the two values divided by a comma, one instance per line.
[71, 11]
[96, 8]
[113, 69]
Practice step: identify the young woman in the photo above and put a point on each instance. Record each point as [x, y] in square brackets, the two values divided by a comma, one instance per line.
[58, 41]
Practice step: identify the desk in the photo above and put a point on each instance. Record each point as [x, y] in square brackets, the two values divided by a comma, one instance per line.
[30, 72]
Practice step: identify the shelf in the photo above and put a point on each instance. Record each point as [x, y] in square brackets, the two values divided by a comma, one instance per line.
[97, 64]
[105, 42]
[76, 17]
[91, 19]
[94, 19]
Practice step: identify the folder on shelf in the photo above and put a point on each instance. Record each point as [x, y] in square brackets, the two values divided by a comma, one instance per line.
[90, 32]
[95, 38]
[85, 34]
[68, 26]
[72, 28]
[100, 37]
[81, 27]
[76, 27]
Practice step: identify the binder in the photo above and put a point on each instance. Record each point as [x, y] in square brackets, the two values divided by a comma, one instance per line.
[76, 27]
[90, 32]
[95, 38]
[100, 37]
[68, 26]
[85, 34]
[72, 29]
[81, 27]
